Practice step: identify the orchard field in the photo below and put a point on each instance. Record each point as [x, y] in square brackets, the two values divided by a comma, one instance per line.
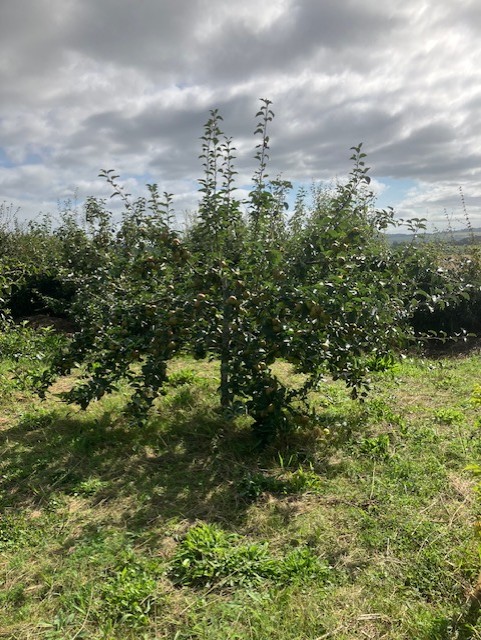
[263, 425]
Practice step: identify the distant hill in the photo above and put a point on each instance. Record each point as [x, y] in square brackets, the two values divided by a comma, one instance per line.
[458, 236]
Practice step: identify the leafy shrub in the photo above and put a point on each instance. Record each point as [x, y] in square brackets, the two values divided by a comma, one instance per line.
[33, 262]
[445, 285]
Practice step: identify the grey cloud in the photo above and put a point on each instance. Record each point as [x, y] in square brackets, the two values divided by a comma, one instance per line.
[308, 30]
[87, 84]
[169, 138]
[153, 36]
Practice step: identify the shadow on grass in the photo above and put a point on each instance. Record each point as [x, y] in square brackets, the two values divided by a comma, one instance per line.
[188, 463]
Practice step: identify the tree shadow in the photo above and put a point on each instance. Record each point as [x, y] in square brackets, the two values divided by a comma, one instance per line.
[179, 467]
[188, 463]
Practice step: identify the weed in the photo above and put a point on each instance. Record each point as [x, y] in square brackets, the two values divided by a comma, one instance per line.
[476, 395]
[383, 363]
[183, 376]
[184, 398]
[304, 480]
[208, 556]
[253, 485]
[89, 487]
[449, 416]
[302, 564]
[376, 447]
[57, 629]
[13, 597]
[23, 343]
[38, 418]
[17, 531]
[129, 593]
[379, 409]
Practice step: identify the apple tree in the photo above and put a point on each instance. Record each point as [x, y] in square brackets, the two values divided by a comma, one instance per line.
[245, 285]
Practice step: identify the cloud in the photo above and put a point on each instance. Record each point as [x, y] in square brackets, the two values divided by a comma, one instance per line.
[88, 85]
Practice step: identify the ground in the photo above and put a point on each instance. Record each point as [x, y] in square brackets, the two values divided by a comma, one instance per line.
[361, 525]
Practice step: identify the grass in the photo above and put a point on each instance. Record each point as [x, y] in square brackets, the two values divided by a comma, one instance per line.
[362, 525]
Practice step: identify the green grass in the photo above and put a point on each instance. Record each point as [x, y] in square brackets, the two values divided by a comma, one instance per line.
[361, 525]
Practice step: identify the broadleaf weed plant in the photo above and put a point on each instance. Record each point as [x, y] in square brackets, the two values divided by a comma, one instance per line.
[210, 557]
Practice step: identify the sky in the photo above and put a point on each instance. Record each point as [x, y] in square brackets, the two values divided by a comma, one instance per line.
[87, 85]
